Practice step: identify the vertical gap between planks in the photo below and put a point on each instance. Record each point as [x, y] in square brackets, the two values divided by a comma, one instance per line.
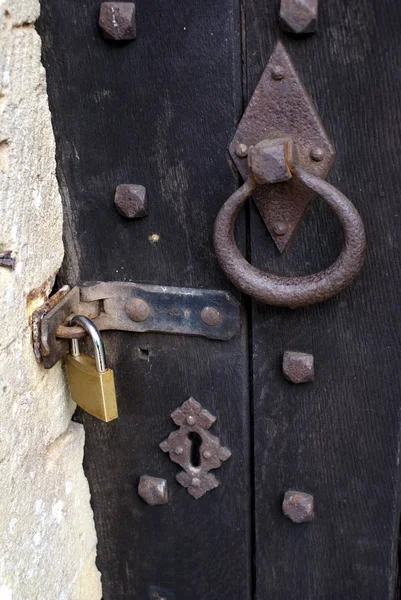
[248, 307]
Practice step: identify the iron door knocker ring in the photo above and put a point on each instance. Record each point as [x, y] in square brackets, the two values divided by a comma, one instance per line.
[274, 161]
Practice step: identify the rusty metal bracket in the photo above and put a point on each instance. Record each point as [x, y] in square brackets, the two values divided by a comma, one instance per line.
[280, 108]
[137, 308]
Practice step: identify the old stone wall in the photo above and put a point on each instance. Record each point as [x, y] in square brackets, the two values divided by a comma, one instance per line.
[47, 534]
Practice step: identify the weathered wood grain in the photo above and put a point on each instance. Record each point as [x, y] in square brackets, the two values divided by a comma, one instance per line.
[337, 438]
[159, 112]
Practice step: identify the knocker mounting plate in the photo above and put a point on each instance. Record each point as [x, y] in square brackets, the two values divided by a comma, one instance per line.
[193, 421]
[281, 107]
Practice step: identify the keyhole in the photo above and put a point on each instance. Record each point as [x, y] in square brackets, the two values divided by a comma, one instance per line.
[196, 442]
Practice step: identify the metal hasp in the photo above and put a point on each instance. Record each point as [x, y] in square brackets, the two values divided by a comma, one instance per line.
[138, 308]
[195, 449]
[281, 107]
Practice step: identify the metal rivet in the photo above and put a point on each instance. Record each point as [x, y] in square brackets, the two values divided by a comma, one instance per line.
[153, 490]
[210, 316]
[280, 229]
[317, 154]
[137, 309]
[191, 420]
[298, 506]
[196, 482]
[178, 450]
[277, 73]
[241, 150]
[207, 454]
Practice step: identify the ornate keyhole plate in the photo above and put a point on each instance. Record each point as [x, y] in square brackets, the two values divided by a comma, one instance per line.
[195, 449]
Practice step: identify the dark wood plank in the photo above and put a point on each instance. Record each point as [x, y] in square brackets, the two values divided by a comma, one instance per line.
[339, 437]
[159, 111]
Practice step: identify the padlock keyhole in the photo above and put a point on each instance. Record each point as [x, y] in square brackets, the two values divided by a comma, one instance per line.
[196, 442]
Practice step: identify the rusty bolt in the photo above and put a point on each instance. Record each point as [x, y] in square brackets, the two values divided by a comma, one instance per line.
[137, 309]
[210, 316]
[298, 367]
[317, 154]
[130, 200]
[270, 160]
[241, 150]
[153, 490]
[298, 506]
[299, 16]
[117, 20]
[277, 73]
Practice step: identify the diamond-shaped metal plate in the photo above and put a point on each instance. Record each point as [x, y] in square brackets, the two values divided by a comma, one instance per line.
[281, 107]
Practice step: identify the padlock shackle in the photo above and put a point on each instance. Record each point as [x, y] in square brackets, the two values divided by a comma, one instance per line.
[94, 334]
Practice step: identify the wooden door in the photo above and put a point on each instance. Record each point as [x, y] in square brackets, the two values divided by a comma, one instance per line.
[160, 111]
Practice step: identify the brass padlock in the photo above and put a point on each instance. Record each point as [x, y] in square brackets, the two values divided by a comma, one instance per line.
[91, 382]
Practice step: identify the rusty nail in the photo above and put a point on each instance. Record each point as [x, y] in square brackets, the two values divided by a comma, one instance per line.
[299, 16]
[298, 367]
[153, 490]
[117, 20]
[6, 260]
[298, 506]
[191, 420]
[241, 150]
[317, 154]
[130, 201]
[210, 316]
[137, 309]
[277, 73]
[269, 161]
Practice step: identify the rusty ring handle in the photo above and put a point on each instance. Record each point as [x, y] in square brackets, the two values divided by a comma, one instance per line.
[292, 292]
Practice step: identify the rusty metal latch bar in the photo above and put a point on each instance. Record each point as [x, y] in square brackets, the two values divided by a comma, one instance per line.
[137, 308]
